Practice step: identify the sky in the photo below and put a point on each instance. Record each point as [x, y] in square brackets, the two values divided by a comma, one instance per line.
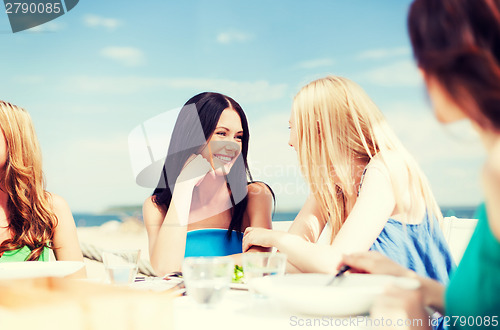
[89, 77]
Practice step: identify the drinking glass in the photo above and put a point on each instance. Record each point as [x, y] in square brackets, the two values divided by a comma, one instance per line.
[207, 278]
[259, 264]
[121, 265]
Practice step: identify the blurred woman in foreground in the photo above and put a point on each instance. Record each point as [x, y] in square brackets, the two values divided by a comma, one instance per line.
[457, 47]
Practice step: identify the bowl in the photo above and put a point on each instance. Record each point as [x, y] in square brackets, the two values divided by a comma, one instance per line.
[308, 294]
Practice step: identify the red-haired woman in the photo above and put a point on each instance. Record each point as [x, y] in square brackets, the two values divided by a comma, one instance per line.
[32, 220]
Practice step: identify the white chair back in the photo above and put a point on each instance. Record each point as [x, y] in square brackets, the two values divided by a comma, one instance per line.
[458, 233]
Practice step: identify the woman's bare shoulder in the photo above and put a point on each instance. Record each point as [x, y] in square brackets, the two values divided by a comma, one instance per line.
[57, 203]
[259, 187]
[259, 191]
[61, 210]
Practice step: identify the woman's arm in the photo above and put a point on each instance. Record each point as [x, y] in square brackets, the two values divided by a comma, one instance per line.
[167, 230]
[374, 206]
[259, 210]
[308, 225]
[257, 214]
[66, 246]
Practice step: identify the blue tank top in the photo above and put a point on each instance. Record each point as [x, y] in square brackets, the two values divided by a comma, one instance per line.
[419, 247]
[212, 242]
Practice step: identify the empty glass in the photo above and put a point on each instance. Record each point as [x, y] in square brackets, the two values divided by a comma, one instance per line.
[121, 265]
[207, 278]
[260, 264]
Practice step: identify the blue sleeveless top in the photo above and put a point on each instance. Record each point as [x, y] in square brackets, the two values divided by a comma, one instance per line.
[419, 247]
[212, 242]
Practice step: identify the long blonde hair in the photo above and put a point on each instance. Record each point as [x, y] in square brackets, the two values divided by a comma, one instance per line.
[31, 219]
[339, 126]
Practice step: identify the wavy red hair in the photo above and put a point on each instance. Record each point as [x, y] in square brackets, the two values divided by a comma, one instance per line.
[29, 207]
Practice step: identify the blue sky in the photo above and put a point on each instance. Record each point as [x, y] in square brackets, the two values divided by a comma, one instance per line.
[89, 77]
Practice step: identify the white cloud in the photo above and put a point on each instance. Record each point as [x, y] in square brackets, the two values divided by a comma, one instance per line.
[383, 53]
[450, 157]
[316, 63]
[243, 91]
[233, 36]
[429, 140]
[398, 74]
[48, 27]
[98, 21]
[127, 56]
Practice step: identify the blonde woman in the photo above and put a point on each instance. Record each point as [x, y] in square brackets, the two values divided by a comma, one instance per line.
[363, 183]
[32, 220]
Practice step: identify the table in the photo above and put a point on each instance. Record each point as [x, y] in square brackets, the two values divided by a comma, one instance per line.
[239, 310]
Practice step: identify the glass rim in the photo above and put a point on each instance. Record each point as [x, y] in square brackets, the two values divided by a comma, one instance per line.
[208, 260]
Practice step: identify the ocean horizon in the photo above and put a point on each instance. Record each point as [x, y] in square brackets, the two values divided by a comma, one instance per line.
[89, 219]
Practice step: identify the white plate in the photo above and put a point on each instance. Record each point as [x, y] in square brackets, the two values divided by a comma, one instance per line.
[308, 293]
[156, 284]
[28, 269]
[238, 286]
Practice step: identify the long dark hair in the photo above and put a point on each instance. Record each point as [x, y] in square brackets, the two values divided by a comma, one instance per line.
[194, 127]
[457, 42]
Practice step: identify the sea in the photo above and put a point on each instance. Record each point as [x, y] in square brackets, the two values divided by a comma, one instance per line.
[95, 219]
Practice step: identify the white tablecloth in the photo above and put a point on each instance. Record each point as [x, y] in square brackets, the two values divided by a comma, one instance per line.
[241, 311]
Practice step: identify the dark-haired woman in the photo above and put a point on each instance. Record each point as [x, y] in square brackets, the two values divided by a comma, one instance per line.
[32, 220]
[204, 200]
[457, 47]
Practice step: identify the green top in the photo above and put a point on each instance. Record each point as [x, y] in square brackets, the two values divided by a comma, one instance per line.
[474, 288]
[22, 254]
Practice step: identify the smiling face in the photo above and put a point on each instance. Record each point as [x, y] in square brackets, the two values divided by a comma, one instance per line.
[225, 144]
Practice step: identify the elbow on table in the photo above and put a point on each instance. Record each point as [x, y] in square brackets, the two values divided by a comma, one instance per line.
[162, 268]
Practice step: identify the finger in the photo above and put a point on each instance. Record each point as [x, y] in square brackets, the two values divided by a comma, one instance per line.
[359, 262]
[247, 230]
[245, 245]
